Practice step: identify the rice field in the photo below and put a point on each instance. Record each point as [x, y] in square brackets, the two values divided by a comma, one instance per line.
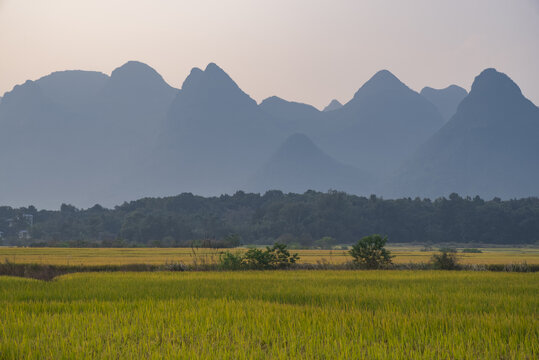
[159, 256]
[272, 315]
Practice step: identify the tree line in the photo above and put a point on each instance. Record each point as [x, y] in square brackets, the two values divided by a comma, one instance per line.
[312, 219]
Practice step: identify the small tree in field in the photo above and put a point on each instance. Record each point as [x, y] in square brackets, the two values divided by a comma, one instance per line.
[370, 252]
[445, 260]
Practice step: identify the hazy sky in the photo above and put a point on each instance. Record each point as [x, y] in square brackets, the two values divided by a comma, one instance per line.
[302, 50]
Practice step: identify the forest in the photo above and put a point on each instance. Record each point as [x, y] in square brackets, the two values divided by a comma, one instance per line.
[312, 219]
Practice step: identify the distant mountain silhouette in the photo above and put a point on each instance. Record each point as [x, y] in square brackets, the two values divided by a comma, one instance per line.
[446, 100]
[133, 104]
[215, 136]
[299, 165]
[288, 110]
[490, 147]
[69, 135]
[288, 115]
[83, 137]
[72, 88]
[333, 105]
[383, 124]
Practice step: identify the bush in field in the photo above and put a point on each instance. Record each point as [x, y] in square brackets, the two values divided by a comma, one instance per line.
[275, 257]
[445, 260]
[230, 261]
[257, 259]
[370, 252]
[281, 257]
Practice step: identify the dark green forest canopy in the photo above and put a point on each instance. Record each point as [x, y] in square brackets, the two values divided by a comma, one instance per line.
[187, 220]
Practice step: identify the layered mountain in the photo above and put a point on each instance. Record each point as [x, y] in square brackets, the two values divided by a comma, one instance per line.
[333, 105]
[289, 115]
[215, 136]
[136, 93]
[69, 135]
[383, 124]
[72, 89]
[84, 137]
[36, 142]
[446, 100]
[299, 165]
[489, 147]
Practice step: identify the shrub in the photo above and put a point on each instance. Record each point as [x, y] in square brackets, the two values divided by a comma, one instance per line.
[275, 257]
[370, 252]
[445, 260]
[230, 261]
[257, 259]
[280, 256]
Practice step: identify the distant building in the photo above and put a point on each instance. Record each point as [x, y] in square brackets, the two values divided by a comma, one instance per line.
[24, 235]
[10, 222]
[1, 234]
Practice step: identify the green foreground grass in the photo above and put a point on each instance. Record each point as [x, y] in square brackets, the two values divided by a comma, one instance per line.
[277, 315]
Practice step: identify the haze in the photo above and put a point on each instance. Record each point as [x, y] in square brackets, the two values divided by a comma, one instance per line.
[308, 51]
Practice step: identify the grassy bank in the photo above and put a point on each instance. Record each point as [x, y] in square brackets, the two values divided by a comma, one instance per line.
[49, 272]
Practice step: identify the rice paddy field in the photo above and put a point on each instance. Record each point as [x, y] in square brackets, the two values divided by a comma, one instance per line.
[159, 256]
[272, 315]
[291, 314]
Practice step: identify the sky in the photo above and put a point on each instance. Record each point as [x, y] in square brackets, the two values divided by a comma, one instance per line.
[302, 50]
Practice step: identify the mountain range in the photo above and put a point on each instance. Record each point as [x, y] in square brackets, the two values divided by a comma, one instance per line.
[446, 100]
[490, 146]
[298, 164]
[84, 137]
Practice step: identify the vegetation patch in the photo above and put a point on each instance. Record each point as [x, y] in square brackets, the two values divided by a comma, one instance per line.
[313, 219]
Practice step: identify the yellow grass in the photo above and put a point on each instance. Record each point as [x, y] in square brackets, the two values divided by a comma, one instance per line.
[159, 256]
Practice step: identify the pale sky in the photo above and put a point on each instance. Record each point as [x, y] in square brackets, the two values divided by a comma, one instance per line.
[302, 50]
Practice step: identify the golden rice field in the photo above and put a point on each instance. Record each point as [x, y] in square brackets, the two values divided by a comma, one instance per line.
[158, 256]
[272, 315]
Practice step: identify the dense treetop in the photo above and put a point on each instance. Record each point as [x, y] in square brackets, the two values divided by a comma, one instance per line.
[301, 219]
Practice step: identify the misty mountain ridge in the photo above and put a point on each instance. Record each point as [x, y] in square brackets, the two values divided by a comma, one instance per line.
[291, 116]
[333, 105]
[446, 100]
[299, 165]
[93, 138]
[385, 115]
[78, 132]
[488, 148]
[72, 88]
[382, 81]
[214, 138]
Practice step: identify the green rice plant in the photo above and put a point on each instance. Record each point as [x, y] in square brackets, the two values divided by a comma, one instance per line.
[272, 315]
